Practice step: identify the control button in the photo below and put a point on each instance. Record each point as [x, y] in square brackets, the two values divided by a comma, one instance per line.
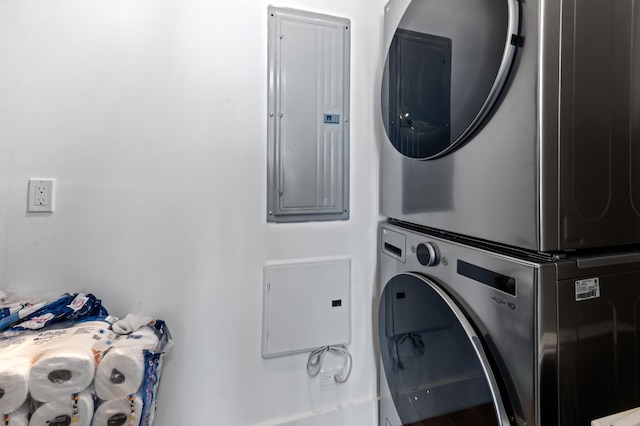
[427, 254]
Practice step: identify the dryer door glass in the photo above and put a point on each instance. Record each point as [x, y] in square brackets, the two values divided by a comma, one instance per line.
[447, 62]
[436, 370]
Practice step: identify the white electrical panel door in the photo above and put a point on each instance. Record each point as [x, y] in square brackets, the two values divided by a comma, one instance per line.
[306, 304]
[308, 133]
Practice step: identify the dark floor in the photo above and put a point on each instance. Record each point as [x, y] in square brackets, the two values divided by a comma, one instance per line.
[482, 415]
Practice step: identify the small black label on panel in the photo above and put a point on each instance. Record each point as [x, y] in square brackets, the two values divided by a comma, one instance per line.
[332, 118]
[337, 302]
[400, 295]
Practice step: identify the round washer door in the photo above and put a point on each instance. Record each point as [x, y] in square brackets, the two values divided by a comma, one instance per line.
[447, 62]
[433, 360]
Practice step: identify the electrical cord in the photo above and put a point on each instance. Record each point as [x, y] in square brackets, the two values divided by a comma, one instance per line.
[314, 364]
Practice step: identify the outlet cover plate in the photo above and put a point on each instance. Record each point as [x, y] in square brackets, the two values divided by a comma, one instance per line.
[328, 377]
[41, 196]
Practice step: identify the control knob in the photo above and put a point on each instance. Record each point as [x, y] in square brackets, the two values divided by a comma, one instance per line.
[427, 254]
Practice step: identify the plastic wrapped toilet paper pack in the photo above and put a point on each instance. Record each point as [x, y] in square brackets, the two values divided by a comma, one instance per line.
[123, 411]
[14, 389]
[59, 361]
[121, 369]
[76, 410]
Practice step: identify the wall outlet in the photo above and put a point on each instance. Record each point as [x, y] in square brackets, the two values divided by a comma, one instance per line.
[327, 377]
[41, 195]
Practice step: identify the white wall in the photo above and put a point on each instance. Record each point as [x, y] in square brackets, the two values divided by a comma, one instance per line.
[151, 115]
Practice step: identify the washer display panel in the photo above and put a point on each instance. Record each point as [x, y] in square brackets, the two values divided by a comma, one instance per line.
[446, 65]
[433, 361]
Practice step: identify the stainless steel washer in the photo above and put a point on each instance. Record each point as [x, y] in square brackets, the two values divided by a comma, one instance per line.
[476, 336]
[514, 121]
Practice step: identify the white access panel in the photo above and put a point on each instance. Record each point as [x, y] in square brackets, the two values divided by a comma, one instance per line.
[306, 304]
[308, 131]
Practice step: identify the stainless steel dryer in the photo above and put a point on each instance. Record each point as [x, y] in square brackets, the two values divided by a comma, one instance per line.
[471, 336]
[514, 121]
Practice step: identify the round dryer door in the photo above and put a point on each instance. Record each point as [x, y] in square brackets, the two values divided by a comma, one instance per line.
[434, 364]
[447, 62]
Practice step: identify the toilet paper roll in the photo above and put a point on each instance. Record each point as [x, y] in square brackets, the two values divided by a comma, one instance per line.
[20, 417]
[60, 372]
[123, 411]
[65, 412]
[119, 373]
[121, 370]
[14, 380]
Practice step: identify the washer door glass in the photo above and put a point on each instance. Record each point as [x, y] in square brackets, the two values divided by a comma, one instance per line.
[446, 65]
[433, 360]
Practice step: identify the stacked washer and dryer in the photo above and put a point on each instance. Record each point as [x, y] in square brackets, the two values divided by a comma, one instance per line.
[510, 260]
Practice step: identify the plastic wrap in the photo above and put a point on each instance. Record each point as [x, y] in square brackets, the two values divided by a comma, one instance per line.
[68, 307]
[80, 372]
